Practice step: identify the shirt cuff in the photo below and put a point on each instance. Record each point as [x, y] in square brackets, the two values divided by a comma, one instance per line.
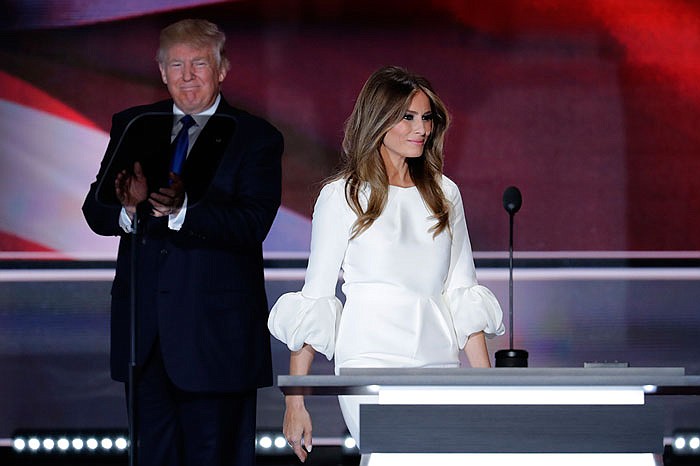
[175, 221]
[125, 221]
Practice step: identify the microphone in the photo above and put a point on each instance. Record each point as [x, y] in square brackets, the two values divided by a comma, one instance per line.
[512, 201]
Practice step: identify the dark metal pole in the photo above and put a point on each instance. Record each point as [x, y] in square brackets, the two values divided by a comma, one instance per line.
[133, 434]
[510, 283]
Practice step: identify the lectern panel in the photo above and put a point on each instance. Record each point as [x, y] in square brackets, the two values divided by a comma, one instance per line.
[510, 429]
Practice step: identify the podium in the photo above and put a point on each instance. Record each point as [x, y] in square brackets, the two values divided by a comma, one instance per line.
[513, 415]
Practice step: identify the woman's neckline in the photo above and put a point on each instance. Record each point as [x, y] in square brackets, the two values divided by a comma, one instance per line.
[401, 187]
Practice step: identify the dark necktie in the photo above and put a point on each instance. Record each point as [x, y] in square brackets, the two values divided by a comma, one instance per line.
[182, 142]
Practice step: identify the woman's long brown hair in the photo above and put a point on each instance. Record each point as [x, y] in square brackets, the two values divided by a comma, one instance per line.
[382, 103]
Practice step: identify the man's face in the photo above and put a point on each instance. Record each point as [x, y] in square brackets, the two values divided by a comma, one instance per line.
[192, 76]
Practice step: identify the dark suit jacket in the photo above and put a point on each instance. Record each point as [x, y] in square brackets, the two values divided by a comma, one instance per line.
[200, 290]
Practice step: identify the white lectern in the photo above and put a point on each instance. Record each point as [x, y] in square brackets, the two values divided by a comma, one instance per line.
[507, 415]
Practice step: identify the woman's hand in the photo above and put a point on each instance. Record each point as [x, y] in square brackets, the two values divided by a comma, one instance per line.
[297, 426]
[297, 422]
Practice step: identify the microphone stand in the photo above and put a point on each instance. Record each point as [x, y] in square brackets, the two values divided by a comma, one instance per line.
[131, 140]
[142, 211]
[512, 201]
[131, 396]
[510, 283]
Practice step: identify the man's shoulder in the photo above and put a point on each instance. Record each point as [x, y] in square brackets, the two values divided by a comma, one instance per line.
[247, 121]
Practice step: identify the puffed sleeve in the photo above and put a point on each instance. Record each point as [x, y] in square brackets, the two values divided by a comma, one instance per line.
[474, 307]
[312, 315]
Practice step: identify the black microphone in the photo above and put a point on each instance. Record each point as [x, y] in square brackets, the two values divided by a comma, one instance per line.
[512, 200]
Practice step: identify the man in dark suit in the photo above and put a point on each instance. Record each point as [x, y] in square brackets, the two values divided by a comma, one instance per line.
[202, 346]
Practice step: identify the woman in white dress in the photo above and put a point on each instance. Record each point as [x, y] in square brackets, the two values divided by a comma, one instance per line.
[395, 226]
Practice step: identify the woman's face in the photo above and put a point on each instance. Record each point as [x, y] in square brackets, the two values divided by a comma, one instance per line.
[407, 138]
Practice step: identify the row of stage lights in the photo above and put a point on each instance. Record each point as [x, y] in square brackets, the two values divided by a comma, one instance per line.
[683, 443]
[64, 444]
[276, 444]
[686, 443]
[270, 443]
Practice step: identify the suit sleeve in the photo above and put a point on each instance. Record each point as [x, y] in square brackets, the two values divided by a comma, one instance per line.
[241, 214]
[102, 214]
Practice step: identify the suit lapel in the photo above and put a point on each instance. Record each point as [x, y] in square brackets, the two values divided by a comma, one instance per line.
[206, 154]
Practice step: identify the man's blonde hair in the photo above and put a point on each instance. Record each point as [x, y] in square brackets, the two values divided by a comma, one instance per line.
[198, 33]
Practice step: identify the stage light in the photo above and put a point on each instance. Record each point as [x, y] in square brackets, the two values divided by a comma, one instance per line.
[121, 443]
[534, 395]
[694, 443]
[106, 443]
[92, 443]
[19, 444]
[280, 441]
[349, 443]
[34, 444]
[48, 444]
[81, 442]
[78, 444]
[71, 442]
[686, 443]
[510, 459]
[265, 442]
[63, 444]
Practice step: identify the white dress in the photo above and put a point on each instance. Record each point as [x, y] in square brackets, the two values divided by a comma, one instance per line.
[412, 299]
